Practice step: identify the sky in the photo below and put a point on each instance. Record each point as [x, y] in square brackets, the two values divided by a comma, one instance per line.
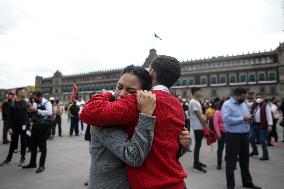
[38, 37]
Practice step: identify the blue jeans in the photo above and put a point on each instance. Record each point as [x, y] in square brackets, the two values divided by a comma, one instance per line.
[254, 133]
[263, 137]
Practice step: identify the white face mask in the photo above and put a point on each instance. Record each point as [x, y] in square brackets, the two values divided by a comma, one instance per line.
[258, 100]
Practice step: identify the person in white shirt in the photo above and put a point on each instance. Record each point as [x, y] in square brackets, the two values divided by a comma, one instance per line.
[197, 122]
[275, 115]
[263, 124]
[80, 102]
[42, 121]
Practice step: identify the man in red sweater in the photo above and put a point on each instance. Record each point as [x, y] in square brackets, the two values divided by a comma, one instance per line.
[161, 168]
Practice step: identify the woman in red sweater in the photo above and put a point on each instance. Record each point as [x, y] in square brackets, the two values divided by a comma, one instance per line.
[161, 168]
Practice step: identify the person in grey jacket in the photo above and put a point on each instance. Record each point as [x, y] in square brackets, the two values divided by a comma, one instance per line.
[111, 148]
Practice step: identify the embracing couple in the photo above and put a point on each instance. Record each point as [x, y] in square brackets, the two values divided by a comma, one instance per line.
[138, 135]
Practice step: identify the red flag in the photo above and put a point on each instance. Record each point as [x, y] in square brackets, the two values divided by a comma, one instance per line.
[74, 92]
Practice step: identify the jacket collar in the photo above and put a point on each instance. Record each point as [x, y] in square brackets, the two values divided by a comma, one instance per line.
[161, 88]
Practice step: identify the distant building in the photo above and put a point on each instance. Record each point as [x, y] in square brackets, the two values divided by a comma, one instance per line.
[217, 76]
[4, 92]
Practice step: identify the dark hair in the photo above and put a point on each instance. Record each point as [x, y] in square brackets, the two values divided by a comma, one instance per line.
[168, 70]
[194, 89]
[37, 93]
[219, 105]
[142, 74]
[19, 89]
[240, 90]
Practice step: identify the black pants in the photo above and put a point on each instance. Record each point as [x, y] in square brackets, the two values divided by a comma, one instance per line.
[82, 125]
[187, 124]
[273, 133]
[38, 139]
[74, 126]
[15, 140]
[221, 145]
[237, 145]
[5, 131]
[56, 121]
[198, 140]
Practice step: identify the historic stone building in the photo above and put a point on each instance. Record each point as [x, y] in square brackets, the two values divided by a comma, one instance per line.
[260, 72]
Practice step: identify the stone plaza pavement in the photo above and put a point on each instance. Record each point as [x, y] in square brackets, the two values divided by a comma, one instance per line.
[68, 160]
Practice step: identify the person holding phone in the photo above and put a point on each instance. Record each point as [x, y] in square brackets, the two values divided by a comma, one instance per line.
[237, 122]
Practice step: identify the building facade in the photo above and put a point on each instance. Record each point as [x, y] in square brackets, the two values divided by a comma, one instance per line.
[261, 72]
[4, 92]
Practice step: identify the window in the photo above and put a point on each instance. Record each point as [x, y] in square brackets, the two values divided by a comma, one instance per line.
[183, 82]
[203, 81]
[190, 82]
[56, 91]
[243, 78]
[257, 61]
[233, 79]
[272, 76]
[222, 79]
[177, 83]
[261, 76]
[252, 78]
[269, 59]
[213, 80]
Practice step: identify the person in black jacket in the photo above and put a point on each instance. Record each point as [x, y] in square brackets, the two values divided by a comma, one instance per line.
[74, 113]
[5, 107]
[17, 117]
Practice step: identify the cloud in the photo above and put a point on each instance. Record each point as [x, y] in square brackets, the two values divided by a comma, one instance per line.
[80, 36]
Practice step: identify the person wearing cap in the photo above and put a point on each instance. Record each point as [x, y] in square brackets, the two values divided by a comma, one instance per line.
[5, 106]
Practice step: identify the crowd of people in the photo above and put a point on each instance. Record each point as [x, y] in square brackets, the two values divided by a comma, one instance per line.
[34, 120]
[139, 131]
[235, 121]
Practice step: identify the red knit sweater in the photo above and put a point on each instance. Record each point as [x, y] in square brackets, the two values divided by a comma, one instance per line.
[161, 169]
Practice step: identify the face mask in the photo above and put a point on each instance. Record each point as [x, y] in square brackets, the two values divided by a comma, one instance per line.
[241, 101]
[258, 100]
